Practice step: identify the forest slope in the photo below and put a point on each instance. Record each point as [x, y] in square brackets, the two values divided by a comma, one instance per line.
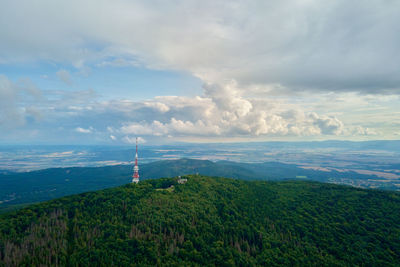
[208, 222]
[20, 189]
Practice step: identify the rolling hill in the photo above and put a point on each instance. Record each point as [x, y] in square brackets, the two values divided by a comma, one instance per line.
[19, 189]
[208, 222]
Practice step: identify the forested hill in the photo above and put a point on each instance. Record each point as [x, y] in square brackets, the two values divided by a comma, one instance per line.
[208, 222]
[20, 189]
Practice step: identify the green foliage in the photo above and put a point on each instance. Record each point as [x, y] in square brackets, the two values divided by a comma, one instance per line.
[19, 189]
[208, 222]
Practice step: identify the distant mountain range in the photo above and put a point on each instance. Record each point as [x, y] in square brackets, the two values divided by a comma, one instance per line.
[19, 189]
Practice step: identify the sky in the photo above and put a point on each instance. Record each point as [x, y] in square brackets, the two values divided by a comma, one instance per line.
[105, 72]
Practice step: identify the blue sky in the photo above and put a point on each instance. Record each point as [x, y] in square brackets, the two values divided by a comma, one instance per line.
[133, 82]
[104, 72]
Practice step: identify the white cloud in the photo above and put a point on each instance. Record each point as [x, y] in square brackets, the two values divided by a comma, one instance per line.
[64, 76]
[222, 112]
[268, 67]
[110, 129]
[12, 94]
[132, 140]
[136, 129]
[8, 100]
[327, 125]
[359, 130]
[197, 128]
[118, 62]
[83, 130]
[301, 45]
[158, 106]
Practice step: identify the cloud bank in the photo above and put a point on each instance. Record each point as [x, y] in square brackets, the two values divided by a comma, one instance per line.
[222, 113]
[304, 45]
[272, 68]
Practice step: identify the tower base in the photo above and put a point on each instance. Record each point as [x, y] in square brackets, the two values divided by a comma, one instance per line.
[135, 180]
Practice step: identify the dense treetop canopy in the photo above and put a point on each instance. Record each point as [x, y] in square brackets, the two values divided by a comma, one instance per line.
[208, 222]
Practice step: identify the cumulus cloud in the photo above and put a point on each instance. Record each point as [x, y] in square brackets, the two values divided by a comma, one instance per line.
[359, 130]
[174, 126]
[327, 125]
[143, 128]
[157, 105]
[223, 111]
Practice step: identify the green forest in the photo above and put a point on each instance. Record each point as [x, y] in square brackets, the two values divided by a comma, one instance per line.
[18, 190]
[207, 221]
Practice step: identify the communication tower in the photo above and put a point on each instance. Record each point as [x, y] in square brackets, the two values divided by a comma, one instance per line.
[135, 176]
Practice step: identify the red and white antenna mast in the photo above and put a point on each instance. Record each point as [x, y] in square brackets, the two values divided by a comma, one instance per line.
[135, 176]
